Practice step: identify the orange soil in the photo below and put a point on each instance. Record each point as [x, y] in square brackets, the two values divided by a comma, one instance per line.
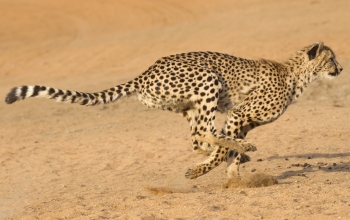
[124, 161]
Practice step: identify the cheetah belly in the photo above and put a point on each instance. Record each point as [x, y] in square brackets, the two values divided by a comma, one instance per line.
[178, 106]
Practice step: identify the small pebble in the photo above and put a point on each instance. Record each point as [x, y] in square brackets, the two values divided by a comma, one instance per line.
[286, 158]
[306, 165]
[253, 170]
[243, 193]
[309, 157]
[259, 160]
[334, 164]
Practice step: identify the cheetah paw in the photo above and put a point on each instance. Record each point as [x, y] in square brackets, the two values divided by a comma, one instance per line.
[232, 175]
[191, 174]
[203, 152]
[246, 145]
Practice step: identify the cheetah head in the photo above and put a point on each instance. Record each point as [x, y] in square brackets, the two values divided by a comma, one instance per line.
[321, 62]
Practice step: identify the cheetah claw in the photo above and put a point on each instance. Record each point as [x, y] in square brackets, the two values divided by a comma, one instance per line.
[191, 174]
[246, 145]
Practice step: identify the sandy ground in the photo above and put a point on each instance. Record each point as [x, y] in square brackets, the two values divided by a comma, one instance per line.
[60, 161]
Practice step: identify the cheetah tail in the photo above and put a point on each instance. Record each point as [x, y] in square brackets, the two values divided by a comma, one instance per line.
[67, 96]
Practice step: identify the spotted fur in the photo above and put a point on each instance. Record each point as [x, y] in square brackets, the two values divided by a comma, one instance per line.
[198, 84]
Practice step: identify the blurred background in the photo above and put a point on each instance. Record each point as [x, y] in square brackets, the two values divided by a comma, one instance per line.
[62, 161]
[94, 44]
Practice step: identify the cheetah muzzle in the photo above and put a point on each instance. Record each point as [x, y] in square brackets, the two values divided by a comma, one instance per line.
[199, 84]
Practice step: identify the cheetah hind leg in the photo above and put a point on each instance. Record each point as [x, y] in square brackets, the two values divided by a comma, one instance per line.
[215, 159]
[220, 154]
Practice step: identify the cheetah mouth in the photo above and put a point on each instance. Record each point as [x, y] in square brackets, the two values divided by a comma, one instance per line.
[336, 73]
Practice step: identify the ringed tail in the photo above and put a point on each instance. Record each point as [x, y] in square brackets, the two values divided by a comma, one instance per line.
[67, 96]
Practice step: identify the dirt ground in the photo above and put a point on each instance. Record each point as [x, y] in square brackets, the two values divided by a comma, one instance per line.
[125, 161]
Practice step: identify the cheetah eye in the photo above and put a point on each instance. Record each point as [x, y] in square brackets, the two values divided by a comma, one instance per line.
[328, 63]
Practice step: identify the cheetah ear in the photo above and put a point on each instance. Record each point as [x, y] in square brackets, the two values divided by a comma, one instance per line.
[315, 50]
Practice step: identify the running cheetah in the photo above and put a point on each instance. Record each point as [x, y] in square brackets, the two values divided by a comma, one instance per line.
[198, 84]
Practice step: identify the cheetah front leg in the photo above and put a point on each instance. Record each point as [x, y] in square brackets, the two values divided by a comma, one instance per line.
[231, 149]
[219, 155]
[233, 163]
[206, 141]
[234, 125]
[222, 153]
[236, 144]
[236, 154]
[234, 160]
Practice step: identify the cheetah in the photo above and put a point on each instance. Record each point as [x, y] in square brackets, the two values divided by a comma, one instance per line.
[200, 84]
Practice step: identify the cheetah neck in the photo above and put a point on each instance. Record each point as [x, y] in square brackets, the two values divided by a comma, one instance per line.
[298, 75]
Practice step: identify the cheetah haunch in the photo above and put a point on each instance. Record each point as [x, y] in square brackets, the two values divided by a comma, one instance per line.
[198, 84]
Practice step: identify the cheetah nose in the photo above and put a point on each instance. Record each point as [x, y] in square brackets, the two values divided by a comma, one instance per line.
[340, 69]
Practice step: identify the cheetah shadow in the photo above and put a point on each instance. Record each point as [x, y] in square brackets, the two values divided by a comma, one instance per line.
[311, 167]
